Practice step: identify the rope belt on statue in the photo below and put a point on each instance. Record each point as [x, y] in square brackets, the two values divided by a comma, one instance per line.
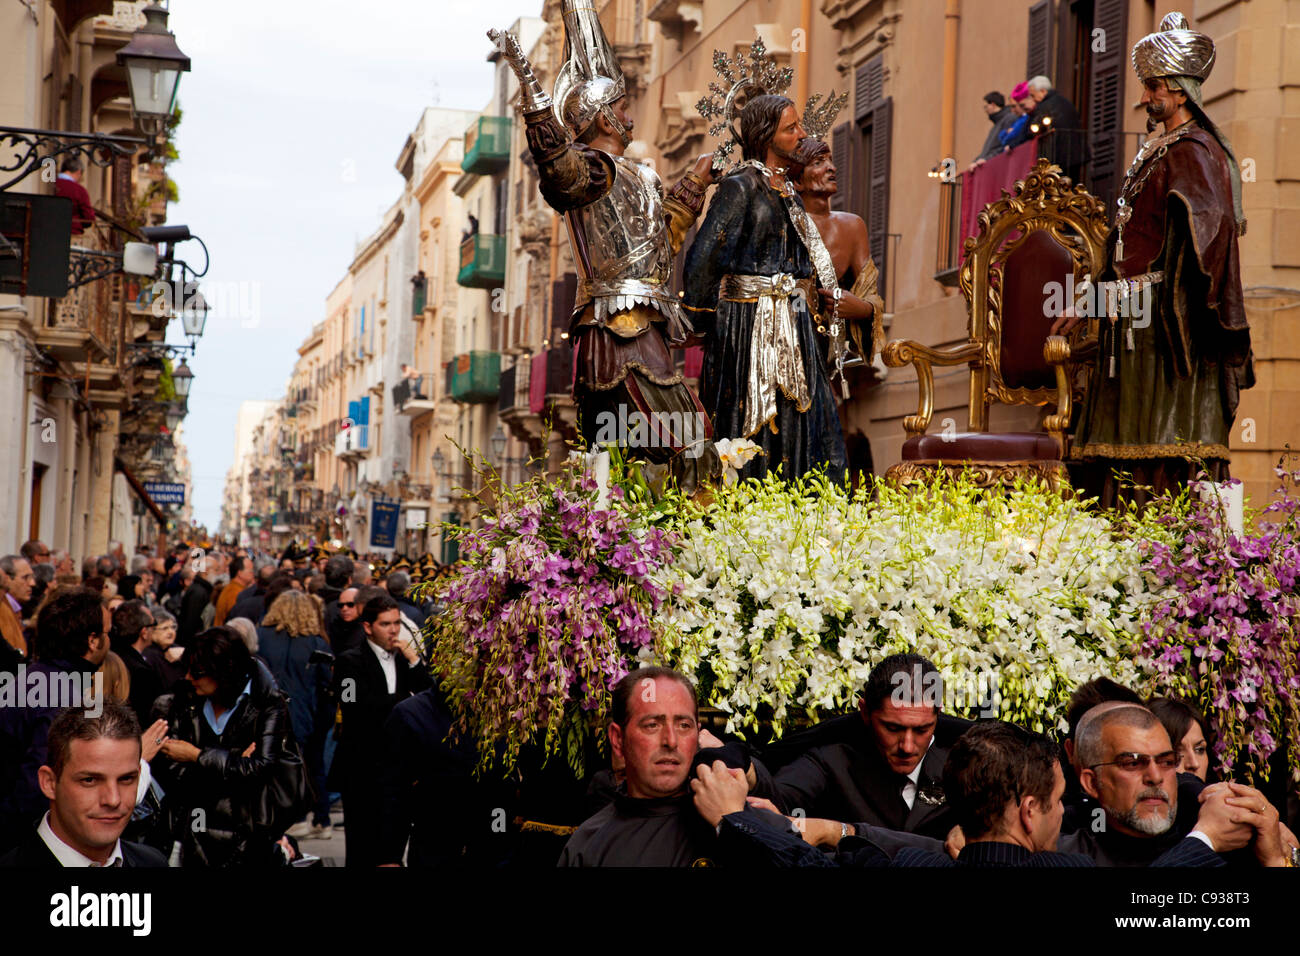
[1126, 299]
[1113, 294]
[775, 356]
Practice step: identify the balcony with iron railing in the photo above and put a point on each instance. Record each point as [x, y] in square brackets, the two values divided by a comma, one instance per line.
[512, 396]
[487, 145]
[81, 325]
[551, 377]
[482, 262]
[414, 396]
[474, 378]
[352, 442]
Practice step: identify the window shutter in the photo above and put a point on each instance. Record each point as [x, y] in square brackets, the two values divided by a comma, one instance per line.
[840, 140]
[869, 86]
[564, 292]
[121, 185]
[882, 122]
[858, 188]
[1039, 60]
[1106, 101]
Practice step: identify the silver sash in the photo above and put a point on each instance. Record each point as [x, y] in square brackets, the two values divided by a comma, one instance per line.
[812, 240]
[775, 357]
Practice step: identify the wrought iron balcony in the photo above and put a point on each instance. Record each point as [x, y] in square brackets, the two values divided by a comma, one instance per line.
[487, 145]
[474, 377]
[482, 262]
[414, 396]
[353, 442]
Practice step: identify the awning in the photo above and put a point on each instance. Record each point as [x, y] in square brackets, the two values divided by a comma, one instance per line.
[140, 492]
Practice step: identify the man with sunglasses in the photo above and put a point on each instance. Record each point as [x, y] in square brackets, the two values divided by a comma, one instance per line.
[1128, 765]
[345, 631]
[133, 625]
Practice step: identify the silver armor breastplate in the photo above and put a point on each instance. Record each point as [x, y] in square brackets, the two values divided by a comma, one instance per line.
[620, 243]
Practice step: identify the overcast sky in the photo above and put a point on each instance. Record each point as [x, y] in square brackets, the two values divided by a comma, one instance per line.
[294, 113]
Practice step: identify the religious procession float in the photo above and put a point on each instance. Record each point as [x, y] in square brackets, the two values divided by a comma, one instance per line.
[751, 558]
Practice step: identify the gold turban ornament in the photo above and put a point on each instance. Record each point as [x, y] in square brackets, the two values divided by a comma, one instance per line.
[1184, 59]
[1174, 50]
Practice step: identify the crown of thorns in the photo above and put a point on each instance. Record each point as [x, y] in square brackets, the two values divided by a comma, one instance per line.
[819, 116]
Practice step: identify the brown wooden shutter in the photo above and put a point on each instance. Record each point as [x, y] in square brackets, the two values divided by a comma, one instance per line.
[882, 121]
[869, 87]
[121, 185]
[563, 293]
[858, 188]
[1039, 60]
[1106, 101]
[840, 140]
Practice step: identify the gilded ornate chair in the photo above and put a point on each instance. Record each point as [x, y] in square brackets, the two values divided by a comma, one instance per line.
[1048, 230]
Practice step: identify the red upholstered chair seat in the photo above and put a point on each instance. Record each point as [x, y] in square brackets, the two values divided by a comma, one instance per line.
[982, 446]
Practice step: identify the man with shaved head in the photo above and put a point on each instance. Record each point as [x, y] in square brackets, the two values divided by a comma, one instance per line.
[1127, 764]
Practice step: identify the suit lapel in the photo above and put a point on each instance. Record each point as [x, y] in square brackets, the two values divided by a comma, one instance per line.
[876, 781]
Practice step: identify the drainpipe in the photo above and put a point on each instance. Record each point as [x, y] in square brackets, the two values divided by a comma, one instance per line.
[801, 83]
[948, 114]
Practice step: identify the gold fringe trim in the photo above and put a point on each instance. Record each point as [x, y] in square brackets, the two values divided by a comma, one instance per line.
[1133, 452]
[532, 826]
[623, 373]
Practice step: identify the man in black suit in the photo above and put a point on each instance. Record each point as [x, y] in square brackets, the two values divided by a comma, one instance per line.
[90, 781]
[71, 642]
[132, 624]
[251, 603]
[428, 779]
[1005, 788]
[399, 584]
[189, 622]
[888, 771]
[368, 682]
[338, 578]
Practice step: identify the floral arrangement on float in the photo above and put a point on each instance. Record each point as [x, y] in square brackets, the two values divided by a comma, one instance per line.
[780, 596]
[1225, 636]
[551, 604]
[786, 594]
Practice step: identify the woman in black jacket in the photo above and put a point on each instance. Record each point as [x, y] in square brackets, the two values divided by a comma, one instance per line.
[231, 772]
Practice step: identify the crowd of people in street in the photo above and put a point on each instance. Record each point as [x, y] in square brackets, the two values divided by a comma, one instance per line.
[243, 678]
[225, 702]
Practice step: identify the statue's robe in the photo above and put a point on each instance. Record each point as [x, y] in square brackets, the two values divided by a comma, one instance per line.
[747, 232]
[1170, 406]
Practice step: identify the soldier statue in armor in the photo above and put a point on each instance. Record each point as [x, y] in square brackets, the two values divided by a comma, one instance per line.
[624, 234]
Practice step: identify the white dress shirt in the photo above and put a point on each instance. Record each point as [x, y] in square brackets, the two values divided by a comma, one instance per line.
[66, 855]
[388, 662]
[909, 788]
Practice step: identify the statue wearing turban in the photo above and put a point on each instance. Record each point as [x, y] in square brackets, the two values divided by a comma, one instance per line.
[1174, 346]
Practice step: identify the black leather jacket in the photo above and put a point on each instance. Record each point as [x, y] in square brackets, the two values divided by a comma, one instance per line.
[224, 808]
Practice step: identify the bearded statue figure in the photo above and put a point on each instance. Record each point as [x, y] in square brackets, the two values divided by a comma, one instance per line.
[753, 270]
[1174, 349]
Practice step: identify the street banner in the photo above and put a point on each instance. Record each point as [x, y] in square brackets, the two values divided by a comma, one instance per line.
[383, 523]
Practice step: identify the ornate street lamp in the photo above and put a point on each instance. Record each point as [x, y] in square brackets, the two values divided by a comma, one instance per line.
[154, 64]
[498, 443]
[182, 379]
[194, 315]
[439, 464]
[175, 412]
